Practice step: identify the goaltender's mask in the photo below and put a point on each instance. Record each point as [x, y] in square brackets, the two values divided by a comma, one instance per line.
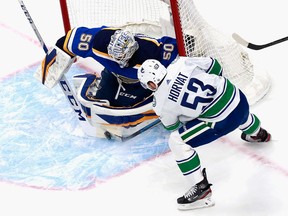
[151, 73]
[122, 46]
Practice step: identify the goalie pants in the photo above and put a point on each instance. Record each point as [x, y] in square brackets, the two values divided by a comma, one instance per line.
[118, 93]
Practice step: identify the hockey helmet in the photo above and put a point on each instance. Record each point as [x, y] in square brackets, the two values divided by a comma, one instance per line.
[151, 73]
[122, 46]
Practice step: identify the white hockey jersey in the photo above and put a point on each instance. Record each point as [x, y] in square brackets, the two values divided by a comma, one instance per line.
[194, 88]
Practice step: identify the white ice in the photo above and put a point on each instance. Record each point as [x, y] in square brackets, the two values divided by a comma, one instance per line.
[247, 179]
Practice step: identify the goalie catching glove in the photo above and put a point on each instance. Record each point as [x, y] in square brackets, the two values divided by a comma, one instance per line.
[53, 67]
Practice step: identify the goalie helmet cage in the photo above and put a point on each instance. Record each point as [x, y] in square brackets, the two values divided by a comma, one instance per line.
[195, 37]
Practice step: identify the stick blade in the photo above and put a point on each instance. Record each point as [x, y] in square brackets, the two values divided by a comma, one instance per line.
[240, 40]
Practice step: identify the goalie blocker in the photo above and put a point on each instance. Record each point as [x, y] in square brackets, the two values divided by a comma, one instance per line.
[55, 64]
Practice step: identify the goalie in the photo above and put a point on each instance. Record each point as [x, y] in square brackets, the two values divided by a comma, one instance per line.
[121, 53]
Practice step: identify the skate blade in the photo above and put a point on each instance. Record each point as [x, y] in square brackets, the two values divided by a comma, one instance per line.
[203, 203]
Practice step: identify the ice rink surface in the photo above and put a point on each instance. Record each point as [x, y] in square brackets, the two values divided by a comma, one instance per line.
[49, 167]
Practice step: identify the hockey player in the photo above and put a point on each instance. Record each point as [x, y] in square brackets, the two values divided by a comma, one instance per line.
[121, 53]
[199, 105]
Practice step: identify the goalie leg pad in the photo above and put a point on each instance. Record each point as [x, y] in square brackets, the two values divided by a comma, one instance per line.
[55, 64]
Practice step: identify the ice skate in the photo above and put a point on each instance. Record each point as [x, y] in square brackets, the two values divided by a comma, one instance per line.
[262, 136]
[198, 196]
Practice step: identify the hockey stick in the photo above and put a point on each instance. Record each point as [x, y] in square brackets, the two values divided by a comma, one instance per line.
[249, 45]
[151, 125]
[33, 25]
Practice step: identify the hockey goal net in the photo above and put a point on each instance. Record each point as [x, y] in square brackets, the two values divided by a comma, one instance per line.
[176, 18]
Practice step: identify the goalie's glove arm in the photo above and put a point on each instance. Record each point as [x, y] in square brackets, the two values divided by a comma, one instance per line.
[60, 44]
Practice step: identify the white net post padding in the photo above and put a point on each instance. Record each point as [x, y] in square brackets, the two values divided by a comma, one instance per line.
[200, 39]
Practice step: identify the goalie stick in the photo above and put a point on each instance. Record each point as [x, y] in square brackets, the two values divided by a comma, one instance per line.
[250, 45]
[69, 93]
[152, 124]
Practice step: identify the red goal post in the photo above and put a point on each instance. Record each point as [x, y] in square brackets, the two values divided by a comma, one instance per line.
[176, 18]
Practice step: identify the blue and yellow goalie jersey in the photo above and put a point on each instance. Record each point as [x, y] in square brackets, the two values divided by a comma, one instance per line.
[93, 42]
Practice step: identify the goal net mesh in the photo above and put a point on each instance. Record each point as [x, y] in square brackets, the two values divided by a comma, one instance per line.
[155, 18]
